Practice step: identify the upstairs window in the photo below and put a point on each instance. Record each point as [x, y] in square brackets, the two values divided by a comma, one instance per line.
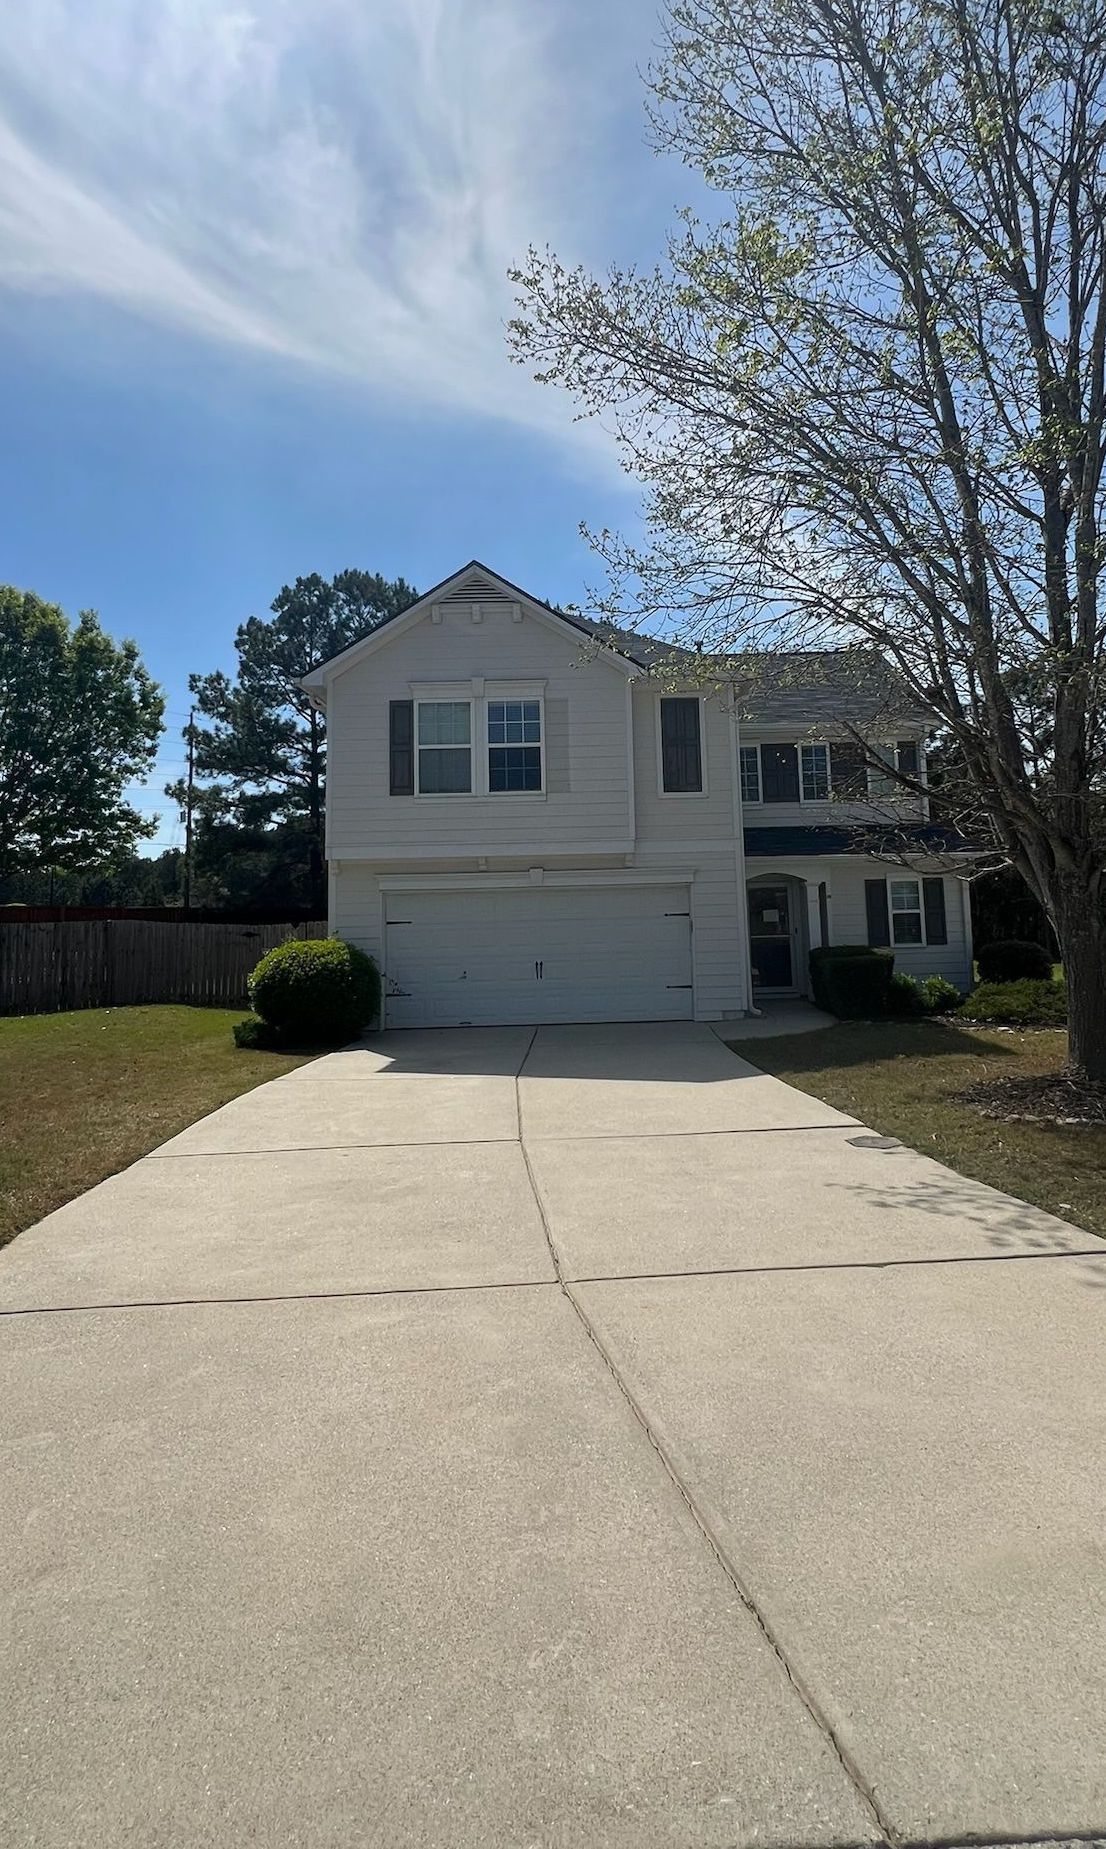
[849, 775]
[514, 747]
[681, 748]
[444, 731]
[750, 774]
[816, 782]
[904, 756]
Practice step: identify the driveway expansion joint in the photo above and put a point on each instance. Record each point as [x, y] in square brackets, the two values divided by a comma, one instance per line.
[888, 1838]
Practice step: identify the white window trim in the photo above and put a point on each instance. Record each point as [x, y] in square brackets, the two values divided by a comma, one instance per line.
[750, 802]
[495, 693]
[815, 744]
[683, 795]
[803, 802]
[454, 698]
[900, 879]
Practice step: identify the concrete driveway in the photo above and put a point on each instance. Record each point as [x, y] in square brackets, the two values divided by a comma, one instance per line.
[550, 1441]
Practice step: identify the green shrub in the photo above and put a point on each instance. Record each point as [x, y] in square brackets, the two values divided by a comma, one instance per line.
[819, 958]
[904, 996]
[851, 980]
[1011, 960]
[909, 998]
[319, 992]
[252, 1034]
[940, 996]
[1020, 1004]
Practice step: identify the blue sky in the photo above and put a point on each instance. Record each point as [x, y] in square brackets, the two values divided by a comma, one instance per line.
[252, 295]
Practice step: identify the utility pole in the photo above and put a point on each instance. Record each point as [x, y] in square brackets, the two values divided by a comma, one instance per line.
[188, 801]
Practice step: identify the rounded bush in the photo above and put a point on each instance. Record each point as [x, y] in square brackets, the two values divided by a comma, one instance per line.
[319, 991]
[1013, 959]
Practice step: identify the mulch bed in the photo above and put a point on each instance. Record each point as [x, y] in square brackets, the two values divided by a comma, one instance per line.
[1051, 1097]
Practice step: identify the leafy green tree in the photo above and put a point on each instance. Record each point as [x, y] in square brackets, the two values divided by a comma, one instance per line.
[80, 719]
[262, 755]
[868, 398]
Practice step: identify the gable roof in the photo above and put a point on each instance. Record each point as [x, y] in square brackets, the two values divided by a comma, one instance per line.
[800, 686]
[473, 583]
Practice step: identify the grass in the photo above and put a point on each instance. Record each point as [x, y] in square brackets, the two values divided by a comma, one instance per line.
[84, 1094]
[901, 1078]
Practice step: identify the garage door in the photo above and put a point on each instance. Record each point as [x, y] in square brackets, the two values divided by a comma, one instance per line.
[570, 953]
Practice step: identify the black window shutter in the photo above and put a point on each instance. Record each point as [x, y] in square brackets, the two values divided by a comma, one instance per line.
[933, 898]
[907, 756]
[780, 772]
[879, 923]
[681, 747]
[401, 747]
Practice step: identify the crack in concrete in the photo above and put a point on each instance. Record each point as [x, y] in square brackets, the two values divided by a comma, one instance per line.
[480, 1142]
[561, 1281]
[699, 1516]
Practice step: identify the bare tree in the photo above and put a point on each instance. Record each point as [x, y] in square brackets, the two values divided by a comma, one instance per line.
[867, 400]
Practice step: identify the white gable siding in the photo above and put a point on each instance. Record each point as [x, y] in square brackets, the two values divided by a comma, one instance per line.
[587, 806]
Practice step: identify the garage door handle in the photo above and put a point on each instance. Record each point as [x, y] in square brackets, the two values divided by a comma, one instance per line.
[539, 969]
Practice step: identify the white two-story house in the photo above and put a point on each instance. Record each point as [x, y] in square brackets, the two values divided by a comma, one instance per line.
[533, 821]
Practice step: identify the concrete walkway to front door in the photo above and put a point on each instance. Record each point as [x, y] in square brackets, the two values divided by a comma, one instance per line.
[574, 1439]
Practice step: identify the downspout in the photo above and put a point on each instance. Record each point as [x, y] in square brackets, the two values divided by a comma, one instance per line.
[739, 854]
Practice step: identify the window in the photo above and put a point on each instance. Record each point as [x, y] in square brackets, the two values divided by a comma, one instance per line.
[750, 774]
[444, 730]
[681, 748]
[849, 782]
[895, 916]
[906, 912]
[815, 760]
[881, 783]
[514, 746]
[903, 754]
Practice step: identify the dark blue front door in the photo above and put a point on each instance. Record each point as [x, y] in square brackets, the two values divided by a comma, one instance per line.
[770, 937]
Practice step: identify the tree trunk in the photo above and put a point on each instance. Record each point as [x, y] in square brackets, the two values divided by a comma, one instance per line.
[1081, 928]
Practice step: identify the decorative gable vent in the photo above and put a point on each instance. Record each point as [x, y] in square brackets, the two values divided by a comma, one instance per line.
[475, 596]
[477, 590]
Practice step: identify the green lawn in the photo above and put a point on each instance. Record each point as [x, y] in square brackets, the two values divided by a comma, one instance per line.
[84, 1094]
[902, 1077]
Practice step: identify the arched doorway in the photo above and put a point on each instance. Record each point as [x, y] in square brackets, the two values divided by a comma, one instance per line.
[779, 936]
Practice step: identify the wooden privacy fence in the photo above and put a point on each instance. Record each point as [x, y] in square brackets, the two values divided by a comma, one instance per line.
[110, 962]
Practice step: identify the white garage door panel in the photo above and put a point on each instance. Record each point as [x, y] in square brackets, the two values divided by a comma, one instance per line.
[583, 953]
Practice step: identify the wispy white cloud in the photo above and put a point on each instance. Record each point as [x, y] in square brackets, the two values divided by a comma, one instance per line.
[339, 183]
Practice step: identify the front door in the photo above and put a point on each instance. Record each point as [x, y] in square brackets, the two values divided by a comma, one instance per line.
[770, 939]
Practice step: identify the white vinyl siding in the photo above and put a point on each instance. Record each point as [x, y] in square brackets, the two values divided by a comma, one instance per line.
[875, 799]
[849, 919]
[585, 804]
